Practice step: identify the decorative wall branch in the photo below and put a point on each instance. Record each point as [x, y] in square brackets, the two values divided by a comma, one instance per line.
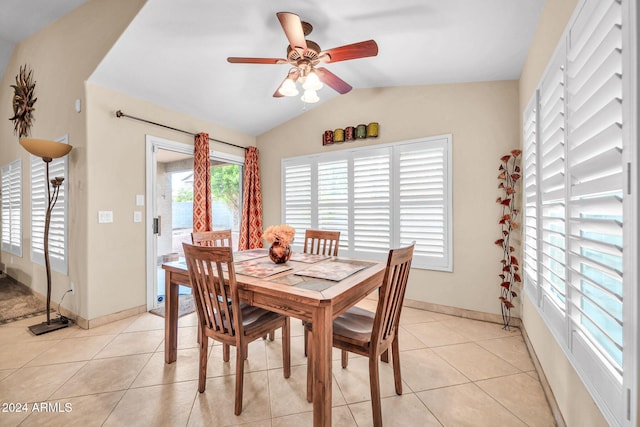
[509, 275]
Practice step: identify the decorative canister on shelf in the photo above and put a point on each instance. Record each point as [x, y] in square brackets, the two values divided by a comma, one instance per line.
[372, 130]
[361, 131]
[338, 135]
[327, 137]
[349, 133]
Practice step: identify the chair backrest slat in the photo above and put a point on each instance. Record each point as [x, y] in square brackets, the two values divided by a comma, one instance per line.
[321, 242]
[391, 297]
[215, 290]
[213, 238]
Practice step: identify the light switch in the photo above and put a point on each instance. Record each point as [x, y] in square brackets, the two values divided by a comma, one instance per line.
[139, 199]
[105, 217]
[137, 216]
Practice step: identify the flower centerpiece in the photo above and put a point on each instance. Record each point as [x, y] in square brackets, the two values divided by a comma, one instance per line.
[280, 237]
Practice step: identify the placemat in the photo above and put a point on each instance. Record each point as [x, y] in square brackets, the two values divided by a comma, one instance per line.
[308, 258]
[336, 269]
[260, 268]
[250, 254]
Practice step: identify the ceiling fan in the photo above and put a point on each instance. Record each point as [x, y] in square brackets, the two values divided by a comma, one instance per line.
[304, 56]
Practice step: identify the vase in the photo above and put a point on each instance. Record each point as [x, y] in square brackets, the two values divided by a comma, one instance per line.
[279, 253]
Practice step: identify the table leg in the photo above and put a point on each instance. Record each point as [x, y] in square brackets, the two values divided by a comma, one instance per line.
[170, 319]
[322, 343]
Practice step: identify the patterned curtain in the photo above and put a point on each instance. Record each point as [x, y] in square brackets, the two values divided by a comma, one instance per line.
[201, 184]
[251, 224]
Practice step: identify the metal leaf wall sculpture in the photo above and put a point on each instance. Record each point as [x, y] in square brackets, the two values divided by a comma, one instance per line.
[23, 101]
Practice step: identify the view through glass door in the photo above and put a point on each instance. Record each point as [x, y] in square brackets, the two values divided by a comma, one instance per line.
[171, 216]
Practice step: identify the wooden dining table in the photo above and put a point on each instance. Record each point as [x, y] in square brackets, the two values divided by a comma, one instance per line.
[311, 289]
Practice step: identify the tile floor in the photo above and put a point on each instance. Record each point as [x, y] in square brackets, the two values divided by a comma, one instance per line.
[455, 372]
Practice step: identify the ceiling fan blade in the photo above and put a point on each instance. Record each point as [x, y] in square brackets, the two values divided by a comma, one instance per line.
[333, 81]
[238, 60]
[294, 75]
[292, 27]
[350, 51]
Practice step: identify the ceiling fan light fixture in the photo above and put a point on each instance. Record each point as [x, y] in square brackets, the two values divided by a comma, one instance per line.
[312, 82]
[288, 88]
[310, 97]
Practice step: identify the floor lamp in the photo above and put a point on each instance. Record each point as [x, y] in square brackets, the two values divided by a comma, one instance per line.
[48, 150]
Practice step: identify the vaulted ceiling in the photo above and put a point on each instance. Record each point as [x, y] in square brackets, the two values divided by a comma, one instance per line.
[174, 52]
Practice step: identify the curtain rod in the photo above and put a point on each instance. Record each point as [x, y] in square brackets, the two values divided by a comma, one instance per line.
[119, 114]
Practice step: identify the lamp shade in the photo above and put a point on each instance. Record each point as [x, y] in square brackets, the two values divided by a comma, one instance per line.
[45, 148]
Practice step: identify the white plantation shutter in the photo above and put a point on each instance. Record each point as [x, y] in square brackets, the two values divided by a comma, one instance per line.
[584, 258]
[296, 189]
[372, 201]
[423, 193]
[333, 197]
[58, 241]
[552, 182]
[531, 201]
[377, 197]
[11, 175]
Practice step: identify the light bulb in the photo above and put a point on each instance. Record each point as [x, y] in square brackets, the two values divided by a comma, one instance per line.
[288, 88]
[310, 97]
[312, 82]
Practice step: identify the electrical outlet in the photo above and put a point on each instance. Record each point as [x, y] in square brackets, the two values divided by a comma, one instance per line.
[72, 287]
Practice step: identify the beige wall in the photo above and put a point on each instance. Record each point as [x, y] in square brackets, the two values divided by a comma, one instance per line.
[575, 403]
[483, 119]
[116, 152]
[62, 56]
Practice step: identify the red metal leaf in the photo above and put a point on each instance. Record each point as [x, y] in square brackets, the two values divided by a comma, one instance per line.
[506, 202]
[514, 260]
[499, 242]
[516, 152]
[515, 176]
[517, 277]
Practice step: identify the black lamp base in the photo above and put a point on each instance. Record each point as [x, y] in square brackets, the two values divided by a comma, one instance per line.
[54, 325]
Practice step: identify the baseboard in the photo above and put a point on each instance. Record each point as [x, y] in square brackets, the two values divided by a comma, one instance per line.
[546, 388]
[461, 312]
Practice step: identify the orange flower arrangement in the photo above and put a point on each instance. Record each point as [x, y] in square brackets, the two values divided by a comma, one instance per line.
[282, 233]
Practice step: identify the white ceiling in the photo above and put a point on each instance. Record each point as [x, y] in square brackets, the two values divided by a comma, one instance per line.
[174, 52]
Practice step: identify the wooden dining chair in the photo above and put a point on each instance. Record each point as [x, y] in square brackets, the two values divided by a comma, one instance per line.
[223, 317]
[372, 334]
[320, 242]
[212, 238]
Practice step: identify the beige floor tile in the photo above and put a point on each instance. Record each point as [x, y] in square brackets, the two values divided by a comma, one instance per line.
[162, 405]
[21, 353]
[425, 370]
[126, 344]
[340, 417]
[103, 375]
[479, 330]
[188, 337]
[108, 329]
[413, 315]
[475, 362]
[512, 349]
[467, 405]
[82, 411]
[190, 319]
[215, 406]
[72, 350]
[523, 396]
[256, 361]
[157, 372]
[434, 334]
[354, 380]
[33, 384]
[408, 341]
[274, 352]
[5, 373]
[146, 322]
[15, 416]
[397, 411]
[289, 395]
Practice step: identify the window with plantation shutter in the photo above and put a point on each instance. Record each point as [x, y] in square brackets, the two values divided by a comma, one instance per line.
[58, 240]
[377, 197]
[11, 175]
[585, 258]
[296, 190]
[372, 201]
[531, 202]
